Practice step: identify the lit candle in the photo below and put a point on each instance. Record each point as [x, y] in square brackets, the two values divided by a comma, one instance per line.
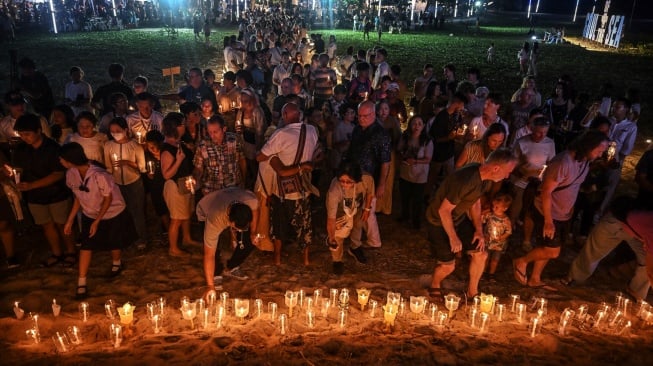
[582, 312]
[161, 302]
[83, 310]
[566, 316]
[18, 311]
[190, 184]
[617, 316]
[625, 329]
[56, 308]
[211, 298]
[342, 318]
[514, 299]
[220, 315]
[110, 308]
[16, 175]
[310, 318]
[484, 322]
[150, 167]
[74, 335]
[326, 304]
[205, 319]
[333, 295]
[475, 131]
[34, 334]
[433, 311]
[317, 294]
[114, 156]
[373, 305]
[534, 326]
[139, 137]
[363, 297]
[156, 320]
[612, 150]
[300, 298]
[541, 175]
[626, 302]
[224, 298]
[291, 301]
[61, 342]
[441, 319]
[501, 308]
[343, 299]
[389, 315]
[258, 307]
[283, 323]
[598, 318]
[272, 310]
[521, 313]
[126, 313]
[473, 313]
[116, 334]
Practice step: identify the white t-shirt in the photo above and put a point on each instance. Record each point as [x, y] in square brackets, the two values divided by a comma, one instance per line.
[213, 209]
[138, 123]
[72, 91]
[99, 184]
[569, 174]
[532, 156]
[93, 146]
[131, 151]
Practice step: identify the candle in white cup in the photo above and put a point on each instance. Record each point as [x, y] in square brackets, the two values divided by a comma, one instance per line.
[513, 299]
[342, 318]
[258, 307]
[536, 323]
[521, 313]
[310, 318]
[373, 305]
[565, 318]
[61, 342]
[83, 311]
[272, 310]
[116, 334]
[18, 311]
[485, 323]
[283, 324]
[56, 308]
[74, 335]
[156, 323]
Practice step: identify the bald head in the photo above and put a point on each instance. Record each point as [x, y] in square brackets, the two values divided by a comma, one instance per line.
[290, 113]
[366, 114]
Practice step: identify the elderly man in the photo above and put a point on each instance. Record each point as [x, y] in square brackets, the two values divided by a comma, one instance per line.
[291, 211]
[554, 206]
[450, 229]
[235, 209]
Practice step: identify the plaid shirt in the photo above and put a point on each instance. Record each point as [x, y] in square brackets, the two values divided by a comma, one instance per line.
[219, 163]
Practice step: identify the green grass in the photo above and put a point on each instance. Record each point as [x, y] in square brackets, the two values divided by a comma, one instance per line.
[146, 51]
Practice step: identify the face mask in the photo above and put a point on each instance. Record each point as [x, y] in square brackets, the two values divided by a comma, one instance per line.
[118, 136]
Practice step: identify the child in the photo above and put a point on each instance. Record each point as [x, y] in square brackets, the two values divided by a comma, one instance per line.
[497, 229]
[490, 53]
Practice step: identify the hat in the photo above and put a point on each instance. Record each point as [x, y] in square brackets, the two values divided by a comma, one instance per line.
[393, 86]
[14, 98]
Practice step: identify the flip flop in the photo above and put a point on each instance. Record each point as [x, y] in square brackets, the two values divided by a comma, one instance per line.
[519, 275]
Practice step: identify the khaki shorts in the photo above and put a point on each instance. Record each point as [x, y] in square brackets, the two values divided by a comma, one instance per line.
[179, 205]
[57, 212]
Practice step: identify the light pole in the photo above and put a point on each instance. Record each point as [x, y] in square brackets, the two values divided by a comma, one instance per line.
[576, 10]
[54, 20]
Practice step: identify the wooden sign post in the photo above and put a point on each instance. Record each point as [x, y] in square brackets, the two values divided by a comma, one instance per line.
[172, 71]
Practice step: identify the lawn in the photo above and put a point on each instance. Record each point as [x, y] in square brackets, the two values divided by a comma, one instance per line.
[147, 51]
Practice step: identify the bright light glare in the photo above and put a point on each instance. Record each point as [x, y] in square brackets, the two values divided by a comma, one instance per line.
[534, 38]
[54, 20]
[478, 3]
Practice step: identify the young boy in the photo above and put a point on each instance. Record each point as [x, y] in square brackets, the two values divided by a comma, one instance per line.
[497, 228]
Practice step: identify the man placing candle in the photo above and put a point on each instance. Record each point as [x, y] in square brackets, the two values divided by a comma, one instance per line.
[230, 208]
[449, 228]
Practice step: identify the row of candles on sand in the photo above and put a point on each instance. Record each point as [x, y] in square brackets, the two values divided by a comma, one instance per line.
[213, 313]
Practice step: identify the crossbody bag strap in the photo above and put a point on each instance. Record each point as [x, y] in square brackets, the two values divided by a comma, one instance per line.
[300, 148]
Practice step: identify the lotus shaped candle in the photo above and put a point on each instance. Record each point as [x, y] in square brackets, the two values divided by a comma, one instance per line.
[241, 307]
[389, 314]
[416, 305]
[126, 313]
[188, 312]
[363, 297]
[291, 301]
[487, 303]
[451, 302]
[343, 299]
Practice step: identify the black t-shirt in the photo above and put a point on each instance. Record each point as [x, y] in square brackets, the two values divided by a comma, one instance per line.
[37, 164]
[645, 166]
[103, 94]
[462, 188]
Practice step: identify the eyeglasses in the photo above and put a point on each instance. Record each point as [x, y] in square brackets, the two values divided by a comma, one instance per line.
[346, 182]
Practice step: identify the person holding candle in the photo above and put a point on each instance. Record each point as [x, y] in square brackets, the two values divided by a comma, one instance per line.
[235, 209]
[125, 159]
[553, 207]
[86, 135]
[155, 182]
[349, 191]
[450, 229]
[497, 228]
[43, 187]
[145, 118]
[7, 215]
[178, 190]
[106, 224]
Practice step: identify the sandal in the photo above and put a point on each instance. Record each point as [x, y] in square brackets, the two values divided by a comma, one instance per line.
[69, 259]
[52, 261]
[82, 292]
[115, 270]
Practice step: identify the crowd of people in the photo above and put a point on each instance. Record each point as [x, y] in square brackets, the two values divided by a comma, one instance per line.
[294, 128]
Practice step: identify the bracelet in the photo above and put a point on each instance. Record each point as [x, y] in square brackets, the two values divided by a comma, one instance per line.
[366, 209]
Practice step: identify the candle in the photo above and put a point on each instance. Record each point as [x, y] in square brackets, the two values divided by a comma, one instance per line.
[401, 310]
[342, 318]
[56, 308]
[161, 302]
[501, 308]
[241, 308]
[416, 305]
[110, 308]
[514, 299]
[625, 329]
[16, 174]
[582, 313]
[34, 334]
[205, 319]
[626, 303]
[272, 310]
[617, 317]
[373, 305]
[74, 335]
[61, 342]
[35, 320]
[317, 294]
[291, 301]
[363, 297]
[566, 316]
[541, 175]
[535, 324]
[389, 314]
[326, 304]
[224, 298]
[190, 184]
[451, 301]
[150, 167]
[310, 318]
[139, 137]
[612, 150]
[83, 311]
[126, 313]
[300, 298]
[220, 315]
[521, 313]
[542, 305]
[283, 323]
[473, 313]
[156, 323]
[116, 334]
[343, 299]
[441, 320]
[475, 131]
[485, 322]
[333, 295]
[18, 311]
[487, 301]
[258, 307]
[114, 156]
[433, 312]
[643, 306]
[598, 318]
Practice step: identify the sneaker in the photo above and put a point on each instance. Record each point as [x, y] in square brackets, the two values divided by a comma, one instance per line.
[358, 254]
[12, 262]
[235, 273]
[338, 268]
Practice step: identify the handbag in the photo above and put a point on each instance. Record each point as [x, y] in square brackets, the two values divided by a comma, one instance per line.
[293, 183]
